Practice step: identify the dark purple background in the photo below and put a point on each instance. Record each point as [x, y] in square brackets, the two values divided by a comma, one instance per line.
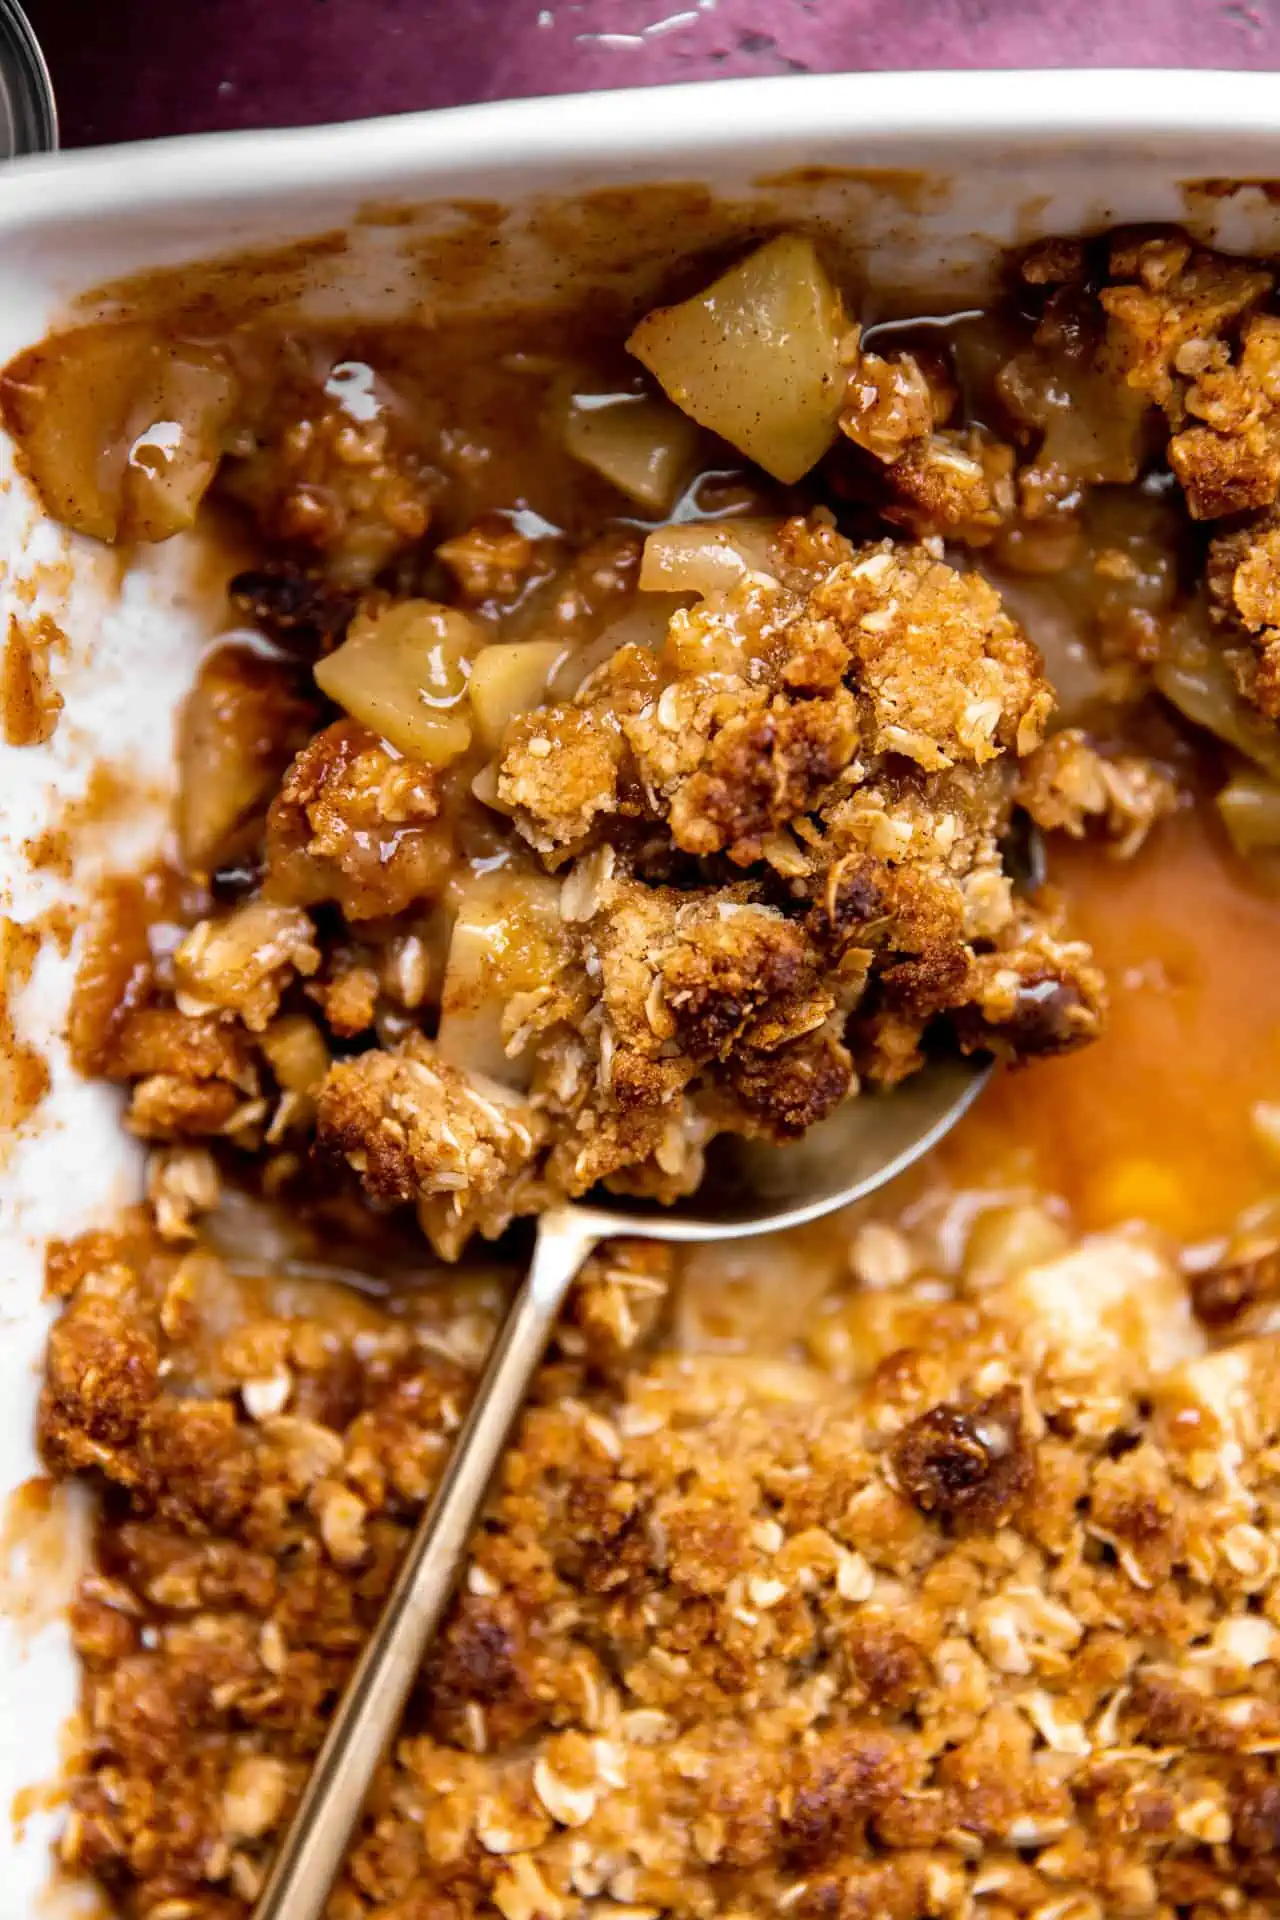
[125, 69]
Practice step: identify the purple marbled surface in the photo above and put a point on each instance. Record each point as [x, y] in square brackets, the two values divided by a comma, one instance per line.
[129, 69]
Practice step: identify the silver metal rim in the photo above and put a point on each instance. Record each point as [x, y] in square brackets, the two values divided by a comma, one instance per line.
[34, 110]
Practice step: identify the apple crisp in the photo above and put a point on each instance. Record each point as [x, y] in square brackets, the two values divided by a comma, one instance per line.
[606, 753]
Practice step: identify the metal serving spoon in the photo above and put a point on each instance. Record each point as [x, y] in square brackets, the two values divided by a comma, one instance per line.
[748, 1189]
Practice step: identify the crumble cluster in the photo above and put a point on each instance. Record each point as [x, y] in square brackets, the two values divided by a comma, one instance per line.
[1142, 345]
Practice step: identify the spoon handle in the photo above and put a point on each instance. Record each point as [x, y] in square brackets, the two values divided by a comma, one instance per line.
[361, 1730]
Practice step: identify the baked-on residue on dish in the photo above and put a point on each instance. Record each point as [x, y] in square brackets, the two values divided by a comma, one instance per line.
[580, 789]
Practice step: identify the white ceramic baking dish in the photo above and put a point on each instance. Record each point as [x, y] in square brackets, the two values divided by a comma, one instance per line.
[925, 177]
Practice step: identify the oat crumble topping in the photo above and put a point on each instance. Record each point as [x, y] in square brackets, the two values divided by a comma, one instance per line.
[966, 1607]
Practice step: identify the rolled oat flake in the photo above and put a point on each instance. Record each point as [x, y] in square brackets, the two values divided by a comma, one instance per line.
[28, 116]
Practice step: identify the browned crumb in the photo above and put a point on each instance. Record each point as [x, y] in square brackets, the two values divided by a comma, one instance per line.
[1243, 578]
[354, 823]
[1231, 463]
[785, 1092]
[416, 1126]
[242, 963]
[417, 1130]
[348, 996]
[159, 1039]
[354, 491]
[1182, 329]
[1067, 785]
[1042, 999]
[1169, 297]
[555, 780]
[957, 483]
[893, 400]
[491, 561]
[189, 1074]
[619, 1300]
